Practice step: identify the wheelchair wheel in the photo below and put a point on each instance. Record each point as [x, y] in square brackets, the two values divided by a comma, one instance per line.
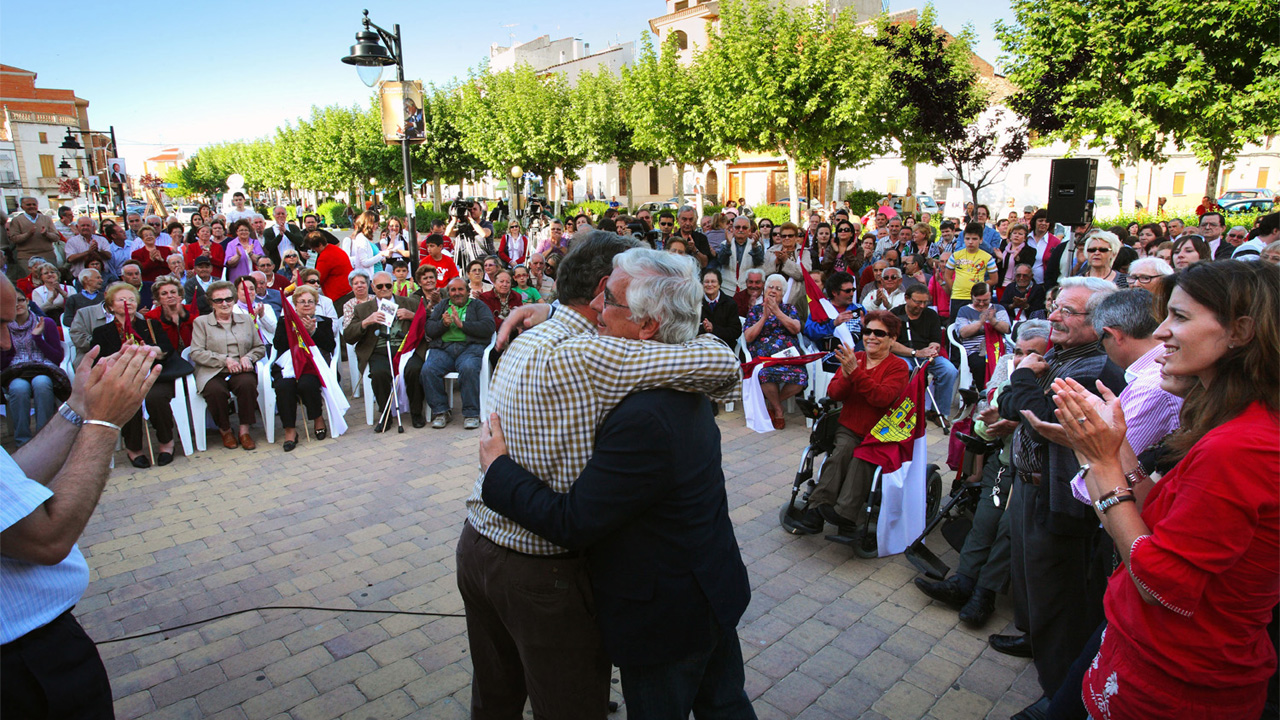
[933, 491]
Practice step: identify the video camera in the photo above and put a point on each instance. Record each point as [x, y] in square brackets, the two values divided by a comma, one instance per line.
[460, 211]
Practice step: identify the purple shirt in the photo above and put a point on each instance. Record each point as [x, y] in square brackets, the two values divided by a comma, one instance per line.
[237, 263]
[1150, 412]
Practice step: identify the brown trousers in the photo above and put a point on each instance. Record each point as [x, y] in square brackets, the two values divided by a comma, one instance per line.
[532, 629]
[218, 391]
[845, 481]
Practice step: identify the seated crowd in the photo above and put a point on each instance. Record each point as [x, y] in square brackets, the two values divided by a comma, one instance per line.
[1121, 383]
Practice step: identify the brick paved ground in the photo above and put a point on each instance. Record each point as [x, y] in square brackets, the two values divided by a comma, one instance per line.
[369, 521]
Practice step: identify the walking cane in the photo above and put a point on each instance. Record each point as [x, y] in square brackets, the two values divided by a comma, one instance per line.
[393, 398]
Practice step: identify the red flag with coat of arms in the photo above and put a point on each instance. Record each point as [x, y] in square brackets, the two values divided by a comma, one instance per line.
[820, 308]
[417, 329]
[889, 443]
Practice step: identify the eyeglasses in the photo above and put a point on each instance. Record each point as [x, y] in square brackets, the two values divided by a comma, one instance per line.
[611, 301]
[221, 300]
[846, 289]
[312, 281]
[1143, 279]
[872, 332]
[1068, 313]
[382, 286]
[848, 230]
[785, 236]
[666, 223]
[1098, 250]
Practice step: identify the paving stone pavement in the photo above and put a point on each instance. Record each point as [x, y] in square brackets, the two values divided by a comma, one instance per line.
[371, 521]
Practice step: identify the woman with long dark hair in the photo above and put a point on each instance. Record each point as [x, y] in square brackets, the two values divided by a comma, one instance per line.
[1187, 610]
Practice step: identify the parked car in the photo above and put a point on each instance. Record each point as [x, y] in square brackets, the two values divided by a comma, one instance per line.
[1245, 194]
[139, 208]
[924, 203]
[672, 204]
[1255, 205]
[786, 202]
[1106, 201]
[184, 213]
[82, 208]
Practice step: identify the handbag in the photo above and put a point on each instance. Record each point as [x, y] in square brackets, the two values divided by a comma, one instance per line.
[173, 366]
[31, 370]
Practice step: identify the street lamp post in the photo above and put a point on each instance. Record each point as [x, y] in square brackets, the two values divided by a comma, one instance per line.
[375, 49]
[71, 144]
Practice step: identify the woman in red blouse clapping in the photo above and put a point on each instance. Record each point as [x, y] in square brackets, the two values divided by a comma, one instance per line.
[1187, 610]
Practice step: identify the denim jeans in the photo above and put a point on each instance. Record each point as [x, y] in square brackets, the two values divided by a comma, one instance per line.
[710, 683]
[943, 374]
[462, 358]
[18, 398]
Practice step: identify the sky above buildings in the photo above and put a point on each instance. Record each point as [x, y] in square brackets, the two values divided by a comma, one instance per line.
[189, 74]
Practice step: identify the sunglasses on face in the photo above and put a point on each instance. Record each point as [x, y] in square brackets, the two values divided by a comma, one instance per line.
[313, 281]
[221, 300]
[873, 332]
[785, 236]
[382, 286]
[1098, 250]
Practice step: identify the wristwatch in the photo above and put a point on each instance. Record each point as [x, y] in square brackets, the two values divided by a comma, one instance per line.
[70, 415]
[913, 352]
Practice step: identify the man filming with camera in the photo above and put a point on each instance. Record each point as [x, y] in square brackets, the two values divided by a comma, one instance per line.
[472, 234]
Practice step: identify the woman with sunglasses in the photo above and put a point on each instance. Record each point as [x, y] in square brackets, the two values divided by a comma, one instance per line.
[764, 231]
[1100, 248]
[868, 383]
[225, 346]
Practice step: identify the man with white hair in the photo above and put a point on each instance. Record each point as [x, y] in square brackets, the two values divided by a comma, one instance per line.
[281, 236]
[87, 245]
[738, 257]
[549, 652]
[650, 513]
[1053, 534]
[32, 235]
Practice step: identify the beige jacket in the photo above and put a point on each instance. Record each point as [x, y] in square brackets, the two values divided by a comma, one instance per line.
[212, 343]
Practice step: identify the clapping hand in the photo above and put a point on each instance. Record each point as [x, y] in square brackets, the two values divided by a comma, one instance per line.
[37, 327]
[848, 359]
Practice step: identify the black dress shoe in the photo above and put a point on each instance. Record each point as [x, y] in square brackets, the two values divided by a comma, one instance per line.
[419, 420]
[1038, 710]
[322, 433]
[977, 611]
[810, 521]
[164, 458]
[142, 461]
[1015, 645]
[289, 445]
[953, 591]
[828, 513]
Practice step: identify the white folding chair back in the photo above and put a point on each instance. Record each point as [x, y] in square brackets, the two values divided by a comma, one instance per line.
[267, 394]
[965, 380]
[353, 370]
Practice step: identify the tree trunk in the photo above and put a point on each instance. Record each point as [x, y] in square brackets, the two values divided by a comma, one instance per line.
[831, 180]
[1129, 190]
[679, 183]
[793, 182]
[1215, 169]
[911, 176]
[437, 191]
[557, 177]
[625, 168]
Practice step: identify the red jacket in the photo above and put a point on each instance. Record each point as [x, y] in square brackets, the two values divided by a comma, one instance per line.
[179, 335]
[334, 267]
[490, 299]
[191, 251]
[868, 394]
[151, 268]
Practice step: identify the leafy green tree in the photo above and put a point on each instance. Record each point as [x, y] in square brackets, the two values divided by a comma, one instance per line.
[518, 118]
[930, 91]
[442, 154]
[601, 131]
[802, 93]
[666, 105]
[1130, 78]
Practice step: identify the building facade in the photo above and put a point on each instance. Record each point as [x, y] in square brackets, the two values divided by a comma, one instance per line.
[36, 122]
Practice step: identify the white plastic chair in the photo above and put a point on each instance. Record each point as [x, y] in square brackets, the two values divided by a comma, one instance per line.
[965, 379]
[197, 407]
[353, 370]
[267, 394]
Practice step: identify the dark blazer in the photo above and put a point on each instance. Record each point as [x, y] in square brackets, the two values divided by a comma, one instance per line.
[365, 339]
[323, 337]
[107, 337]
[651, 513]
[271, 240]
[725, 322]
[193, 294]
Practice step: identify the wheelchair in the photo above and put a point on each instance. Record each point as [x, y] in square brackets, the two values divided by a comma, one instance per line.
[825, 416]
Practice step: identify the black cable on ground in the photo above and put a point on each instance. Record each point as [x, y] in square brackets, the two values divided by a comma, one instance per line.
[280, 607]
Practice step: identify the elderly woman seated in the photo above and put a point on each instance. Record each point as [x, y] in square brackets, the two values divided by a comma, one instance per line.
[225, 345]
[868, 383]
[30, 353]
[306, 385]
[501, 299]
[173, 316]
[772, 328]
[126, 327]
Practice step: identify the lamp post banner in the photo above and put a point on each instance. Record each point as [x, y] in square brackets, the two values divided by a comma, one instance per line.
[401, 111]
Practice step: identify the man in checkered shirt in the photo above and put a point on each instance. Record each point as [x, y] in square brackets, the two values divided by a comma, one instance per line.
[530, 619]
